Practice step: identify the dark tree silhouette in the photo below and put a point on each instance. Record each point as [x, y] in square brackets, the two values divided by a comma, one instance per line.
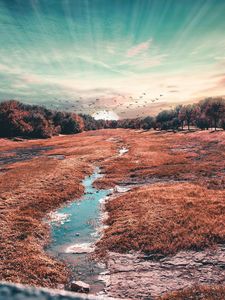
[186, 114]
[215, 110]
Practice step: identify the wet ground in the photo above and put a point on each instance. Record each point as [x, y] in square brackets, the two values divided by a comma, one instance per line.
[21, 154]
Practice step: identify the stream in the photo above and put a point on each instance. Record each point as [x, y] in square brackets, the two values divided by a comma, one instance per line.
[75, 228]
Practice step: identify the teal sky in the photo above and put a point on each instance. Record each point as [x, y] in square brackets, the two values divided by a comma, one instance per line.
[125, 53]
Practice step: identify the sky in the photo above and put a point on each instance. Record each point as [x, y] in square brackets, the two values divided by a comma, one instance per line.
[121, 58]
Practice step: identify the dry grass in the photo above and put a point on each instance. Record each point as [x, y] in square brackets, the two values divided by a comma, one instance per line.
[29, 190]
[27, 194]
[168, 156]
[165, 218]
[161, 217]
[214, 292]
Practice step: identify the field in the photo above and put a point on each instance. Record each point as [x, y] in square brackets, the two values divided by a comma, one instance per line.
[175, 205]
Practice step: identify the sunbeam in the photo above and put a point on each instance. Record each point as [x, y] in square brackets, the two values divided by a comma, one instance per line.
[110, 49]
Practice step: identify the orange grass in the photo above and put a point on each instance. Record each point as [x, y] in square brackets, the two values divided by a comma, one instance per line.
[197, 156]
[165, 218]
[162, 217]
[27, 194]
[31, 189]
[214, 292]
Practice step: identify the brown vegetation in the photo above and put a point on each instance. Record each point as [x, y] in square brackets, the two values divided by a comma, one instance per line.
[28, 192]
[180, 204]
[214, 292]
[32, 188]
[155, 156]
[165, 218]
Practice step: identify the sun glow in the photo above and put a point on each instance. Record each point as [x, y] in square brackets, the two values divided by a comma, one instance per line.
[105, 115]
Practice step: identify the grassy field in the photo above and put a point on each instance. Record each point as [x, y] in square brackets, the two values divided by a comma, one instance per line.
[180, 206]
[29, 190]
[164, 218]
[178, 202]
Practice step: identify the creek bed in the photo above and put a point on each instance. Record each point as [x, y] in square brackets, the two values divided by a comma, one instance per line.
[75, 229]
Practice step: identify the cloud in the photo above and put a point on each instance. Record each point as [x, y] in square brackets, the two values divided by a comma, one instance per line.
[10, 70]
[144, 61]
[139, 48]
[31, 78]
[95, 62]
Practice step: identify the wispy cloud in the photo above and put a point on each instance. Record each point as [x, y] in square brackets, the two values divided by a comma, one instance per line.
[140, 48]
[9, 70]
[144, 61]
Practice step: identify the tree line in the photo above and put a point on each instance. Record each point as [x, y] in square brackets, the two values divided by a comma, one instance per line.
[32, 121]
[206, 114]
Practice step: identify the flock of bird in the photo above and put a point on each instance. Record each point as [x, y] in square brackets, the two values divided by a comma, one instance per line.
[119, 102]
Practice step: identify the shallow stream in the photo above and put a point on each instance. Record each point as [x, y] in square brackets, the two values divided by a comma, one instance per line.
[75, 229]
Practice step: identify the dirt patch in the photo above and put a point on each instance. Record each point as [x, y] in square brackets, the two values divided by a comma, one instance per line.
[132, 276]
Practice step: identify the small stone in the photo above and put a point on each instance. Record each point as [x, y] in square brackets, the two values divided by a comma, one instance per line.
[80, 287]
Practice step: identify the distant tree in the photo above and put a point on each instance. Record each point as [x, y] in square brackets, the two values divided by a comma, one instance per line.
[202, 123]
[12, 119]
[147, 123]
[70, 126]
[41, 127]
[186, 114]
[89, 122]
[199, 118]
[58, 118]
[167, 119]
[215, 110]
[223, 124]
[113, 124]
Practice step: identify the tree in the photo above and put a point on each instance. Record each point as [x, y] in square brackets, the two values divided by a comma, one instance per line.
[147, 123]
[41, 127]
[215, 110]
[69, 126]
[223, 124]
[13, 119]
[186, 114]
[165, 120]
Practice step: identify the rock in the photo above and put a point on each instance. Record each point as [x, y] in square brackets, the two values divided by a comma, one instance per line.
[79, 248]
[77, 234]
[80, 287]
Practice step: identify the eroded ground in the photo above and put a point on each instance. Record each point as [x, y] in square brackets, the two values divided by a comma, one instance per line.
[168, 230]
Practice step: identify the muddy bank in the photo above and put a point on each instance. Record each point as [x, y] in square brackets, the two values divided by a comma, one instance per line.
[135, 277]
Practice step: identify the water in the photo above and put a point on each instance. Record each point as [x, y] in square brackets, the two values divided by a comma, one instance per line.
[122, 151]
[74, 231]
